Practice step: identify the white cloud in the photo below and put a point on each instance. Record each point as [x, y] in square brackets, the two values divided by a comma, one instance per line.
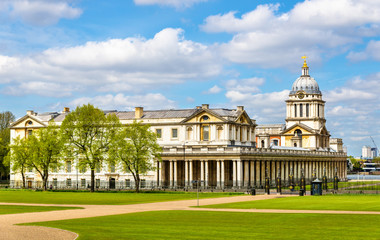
[372, 51]
[214, 90]
[317, 28]
[247, 85]
[40, 12]
[123, 102]
[343, 111]
[115, 65]
[172, 3]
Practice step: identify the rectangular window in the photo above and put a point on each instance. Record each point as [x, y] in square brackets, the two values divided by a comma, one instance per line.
[127, 183]
[83, 183]
[143, 183]
[295, 110]
[174, 133]
[307, 110]
[55, 182]
[301, 110]
[97, 183]
[112, 167]
[30, 132]
[68, 182]
[97, 169]
[159, 133]
[206, 133]
[68, 166]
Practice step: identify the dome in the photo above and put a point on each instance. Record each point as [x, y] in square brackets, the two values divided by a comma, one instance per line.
[306, 84]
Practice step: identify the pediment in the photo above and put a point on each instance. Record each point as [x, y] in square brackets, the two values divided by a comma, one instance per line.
[28, 121]
[291, 130]
[202, 116]
[244, 118]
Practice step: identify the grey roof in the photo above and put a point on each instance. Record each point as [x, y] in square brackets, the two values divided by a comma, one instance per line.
[282, 126]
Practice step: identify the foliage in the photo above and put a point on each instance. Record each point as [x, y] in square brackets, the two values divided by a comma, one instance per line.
[136, 148]
[222, 225]
[19, 156]
[5, 119]
[45, 146]
[357, 166]
[376, 160]
[89, 133]
[100, 198]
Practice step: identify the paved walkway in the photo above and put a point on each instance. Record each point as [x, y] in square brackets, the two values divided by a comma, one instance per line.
[10, 231]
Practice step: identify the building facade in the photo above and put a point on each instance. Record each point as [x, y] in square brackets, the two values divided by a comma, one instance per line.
[219, 148]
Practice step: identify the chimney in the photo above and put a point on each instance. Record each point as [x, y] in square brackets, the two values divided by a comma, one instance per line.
[199, 107]
[29, 112]
[139, 112]
[240, 108]
[205, 106]
[66, 110]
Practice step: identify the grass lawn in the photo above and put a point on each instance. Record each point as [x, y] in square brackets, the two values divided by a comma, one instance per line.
[326, 202]
[101, 198]
[222, 225]
[10, 209]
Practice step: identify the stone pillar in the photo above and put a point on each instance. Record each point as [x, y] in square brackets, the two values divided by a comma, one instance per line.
[186, 173]
[171, 173]
[158, 174]
[190, 172]
[263, 165]
[246, 173]
[273, 170]
[239, 173]
[252, 173]
[257, 173]
[202, 173]
[217, 173]
[234, 172]
[222, 174]
[206, 173]
[175, 173]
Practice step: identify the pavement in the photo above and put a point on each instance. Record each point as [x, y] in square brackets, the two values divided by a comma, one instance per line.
[10, 231]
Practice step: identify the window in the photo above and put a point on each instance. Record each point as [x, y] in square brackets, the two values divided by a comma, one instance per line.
[30, 123]
[83, 183]
[55, 182]
[159, 132]
[97, 169]
[298, 133]
[127, 183]
[112, 167]
[97, 183]
[275, 142]
[30, 132]
[205, 133]
[189, 132]
[68, 182]
[205, 118]
[307, 110]
[143, 183]
[174, 133]
[82, 169]
[220, 132]
[262, 143]
[68, 166]
[301, 110]
[295, 110]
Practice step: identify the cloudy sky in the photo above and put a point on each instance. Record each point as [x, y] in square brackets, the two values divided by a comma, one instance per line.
[163, 54]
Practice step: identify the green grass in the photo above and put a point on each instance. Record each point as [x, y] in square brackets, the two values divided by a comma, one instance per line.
[101, 198]
[326, 202]
[10, 209]
[222, 225]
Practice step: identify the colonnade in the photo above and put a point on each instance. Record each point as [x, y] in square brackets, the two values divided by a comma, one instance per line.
[242, 173]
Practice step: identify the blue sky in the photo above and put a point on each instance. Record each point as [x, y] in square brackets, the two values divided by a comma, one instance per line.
[163, 54]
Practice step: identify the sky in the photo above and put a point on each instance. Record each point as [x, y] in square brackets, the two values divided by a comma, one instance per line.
[169, 54]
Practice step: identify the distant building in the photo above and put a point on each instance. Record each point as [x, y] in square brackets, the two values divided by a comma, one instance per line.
[367, 152]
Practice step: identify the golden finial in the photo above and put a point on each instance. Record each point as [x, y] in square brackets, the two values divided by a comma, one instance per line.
[304, 61]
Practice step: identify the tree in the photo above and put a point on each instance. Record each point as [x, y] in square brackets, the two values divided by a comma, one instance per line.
[5, 120]
[18, 157]
[356, 165]
[376, 160]
[135, 148]
[89, 134]
[45, 148]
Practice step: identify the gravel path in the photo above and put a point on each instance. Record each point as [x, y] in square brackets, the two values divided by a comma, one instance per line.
[10, 231]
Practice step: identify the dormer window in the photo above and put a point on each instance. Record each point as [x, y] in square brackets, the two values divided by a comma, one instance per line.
[205, 118]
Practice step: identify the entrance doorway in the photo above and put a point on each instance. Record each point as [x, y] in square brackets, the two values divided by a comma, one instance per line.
[112, 183]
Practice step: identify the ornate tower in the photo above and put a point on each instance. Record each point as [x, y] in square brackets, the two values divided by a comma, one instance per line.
[305, 113]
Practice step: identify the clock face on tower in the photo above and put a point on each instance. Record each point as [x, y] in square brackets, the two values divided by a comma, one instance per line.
[300, 94]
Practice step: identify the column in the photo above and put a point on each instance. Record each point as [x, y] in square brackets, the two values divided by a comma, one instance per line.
[191, 172]
[171, 173]
[263, 165]
[273, 170]
[257, 172]
[202, 173]
[175, 173]
[186, 173]
[252, 173]
[239, 173]
[246, 173]
[217, 173]
[222, 173]
[206, 173]
[234, 172]
[158, 174]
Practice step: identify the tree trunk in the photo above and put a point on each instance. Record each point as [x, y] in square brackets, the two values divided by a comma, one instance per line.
[45, 178]
[23, 179]
[92, 180]
[137, 183]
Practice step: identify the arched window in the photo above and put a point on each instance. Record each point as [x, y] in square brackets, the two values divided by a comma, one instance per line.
[298, 133]
[262, 143]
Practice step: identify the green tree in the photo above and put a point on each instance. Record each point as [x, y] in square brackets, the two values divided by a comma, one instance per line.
[19, 156]
[5, 120]
[89, 134]
[356, 165]
[45, 147]
[376, 160]
[136, 148]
